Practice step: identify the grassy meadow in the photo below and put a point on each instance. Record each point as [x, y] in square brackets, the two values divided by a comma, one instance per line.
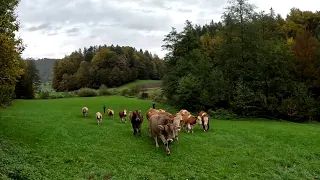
[49, 139]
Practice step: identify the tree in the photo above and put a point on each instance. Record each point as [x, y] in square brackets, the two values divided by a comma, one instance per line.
[10, 49]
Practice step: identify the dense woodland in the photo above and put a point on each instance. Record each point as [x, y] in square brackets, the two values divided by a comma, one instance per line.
[105, 65]
[253, 63]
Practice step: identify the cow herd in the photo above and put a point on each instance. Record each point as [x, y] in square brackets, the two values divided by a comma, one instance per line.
[161, 124]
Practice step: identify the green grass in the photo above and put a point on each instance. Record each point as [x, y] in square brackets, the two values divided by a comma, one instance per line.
[49, 139]
[140, 83]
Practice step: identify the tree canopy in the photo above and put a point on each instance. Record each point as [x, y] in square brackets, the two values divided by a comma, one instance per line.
[253, 63]
[108, 65]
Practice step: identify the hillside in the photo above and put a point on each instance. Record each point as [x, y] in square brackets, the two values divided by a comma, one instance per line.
[45, 67]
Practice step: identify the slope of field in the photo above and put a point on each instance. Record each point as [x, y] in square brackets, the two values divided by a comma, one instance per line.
[142, 83]
[49, 139]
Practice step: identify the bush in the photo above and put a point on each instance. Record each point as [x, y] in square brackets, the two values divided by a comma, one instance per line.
[222, 114]
[114, 91]
[6, 95]
[156, 95]
[44, 95]
[104, 91]
[87, 92]
[125, 92]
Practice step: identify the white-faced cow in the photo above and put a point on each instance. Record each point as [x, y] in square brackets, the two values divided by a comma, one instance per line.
[136, 119]
[85, 111]
[110, 113]
[162, 127]
[204, 117]
[99, 117]
[123, 115]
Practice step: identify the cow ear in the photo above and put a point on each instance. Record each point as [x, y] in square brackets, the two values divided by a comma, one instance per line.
[161, 127]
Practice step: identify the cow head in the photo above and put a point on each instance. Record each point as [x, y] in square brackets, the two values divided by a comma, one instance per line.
[168, 131]
[136, 115]
[205, 123]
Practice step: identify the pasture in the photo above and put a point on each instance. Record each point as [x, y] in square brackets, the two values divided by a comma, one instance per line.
[50, 139]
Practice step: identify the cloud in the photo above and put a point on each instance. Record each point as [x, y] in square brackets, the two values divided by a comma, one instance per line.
[55, 28]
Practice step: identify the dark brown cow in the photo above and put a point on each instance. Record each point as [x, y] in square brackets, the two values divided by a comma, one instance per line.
[204, 117]
[110, 113]
[136, 121]
[123, 115]
[162, 127]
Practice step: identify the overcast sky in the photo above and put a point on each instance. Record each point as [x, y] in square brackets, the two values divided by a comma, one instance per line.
[55, 28]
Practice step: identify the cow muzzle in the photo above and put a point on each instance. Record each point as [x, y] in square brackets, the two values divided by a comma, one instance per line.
[169, 141]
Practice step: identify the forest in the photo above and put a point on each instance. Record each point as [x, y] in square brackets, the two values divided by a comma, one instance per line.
[251, 63]
[111, 66]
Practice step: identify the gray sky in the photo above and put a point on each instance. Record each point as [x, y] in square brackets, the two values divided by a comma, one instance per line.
[54, 29]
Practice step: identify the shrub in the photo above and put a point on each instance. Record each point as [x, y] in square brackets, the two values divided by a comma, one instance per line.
[6, 95]
[44, 95]
[156, 95]
[125, 92]
[87, 92]
[114, 91]
[222, 114]
[104, 91]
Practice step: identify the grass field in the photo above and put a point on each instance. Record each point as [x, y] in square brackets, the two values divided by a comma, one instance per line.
[49, 139]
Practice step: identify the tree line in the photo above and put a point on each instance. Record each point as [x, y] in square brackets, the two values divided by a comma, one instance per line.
[18, 78]
[111, 66]
[252, 63]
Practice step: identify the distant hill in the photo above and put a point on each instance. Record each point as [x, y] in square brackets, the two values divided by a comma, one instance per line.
[45, 67]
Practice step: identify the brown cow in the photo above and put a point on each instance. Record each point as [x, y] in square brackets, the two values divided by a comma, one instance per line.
[162, 127]
[151, 112]
[136, 119]
[204, 117]
[123, 115]
[110, 113]
[99, 117]
[188, 122]
[85, 111]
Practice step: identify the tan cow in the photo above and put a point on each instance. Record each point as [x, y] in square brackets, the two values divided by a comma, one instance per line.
[85, 111]
[161, 126]
[184, 112]
[110, 113]
[151, 112]
[204, 119]
[99, 117]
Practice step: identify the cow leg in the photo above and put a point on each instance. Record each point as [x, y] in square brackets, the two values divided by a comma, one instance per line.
[163, 140]
[156, 140]
[134, 129]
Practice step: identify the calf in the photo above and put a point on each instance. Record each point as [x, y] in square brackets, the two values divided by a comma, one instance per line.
[204, 117]
[99, 117]
[123, 115]
[188, 122]
[84, 111]
[162, 127]
[110, 113]
[136, 119]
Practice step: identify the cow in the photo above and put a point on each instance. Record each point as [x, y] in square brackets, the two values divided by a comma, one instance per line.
[188, 122]
[136, 119]
[85, 111]
[184, 112]
[99, 117]
[130, 115]
[123, 115]
[151, 112]
[161, 126]
[110, 113]
[177, 122]
[204, 119]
